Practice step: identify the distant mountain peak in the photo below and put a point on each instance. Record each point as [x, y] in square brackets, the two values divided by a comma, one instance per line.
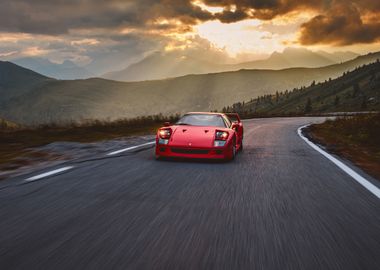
[296, 49]
[160, 65]
[69, 64]
[67, 70]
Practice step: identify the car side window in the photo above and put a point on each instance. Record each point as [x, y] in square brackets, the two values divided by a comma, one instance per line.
[227, 121]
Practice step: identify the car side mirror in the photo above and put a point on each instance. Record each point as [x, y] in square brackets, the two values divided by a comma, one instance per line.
[167, 124]
[235, 126]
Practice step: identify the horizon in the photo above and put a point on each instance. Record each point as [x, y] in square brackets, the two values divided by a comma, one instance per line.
[102, 166]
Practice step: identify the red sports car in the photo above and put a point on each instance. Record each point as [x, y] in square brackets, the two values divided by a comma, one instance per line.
[201, 135]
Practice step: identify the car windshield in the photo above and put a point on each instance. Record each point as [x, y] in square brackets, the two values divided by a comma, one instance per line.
[212, 120]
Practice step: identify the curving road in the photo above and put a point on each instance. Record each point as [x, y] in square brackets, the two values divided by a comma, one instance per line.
[279, 205]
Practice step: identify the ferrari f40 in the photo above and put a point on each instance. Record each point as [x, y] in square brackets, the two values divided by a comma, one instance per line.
[201, 135]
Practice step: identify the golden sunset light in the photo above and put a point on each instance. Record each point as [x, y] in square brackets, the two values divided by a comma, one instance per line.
[249, 36]
[210, 9]
[136, 29]
[190, 134]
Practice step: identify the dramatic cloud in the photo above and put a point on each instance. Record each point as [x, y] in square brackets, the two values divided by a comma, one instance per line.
[343, 24]
[59, 17]
[110, 34]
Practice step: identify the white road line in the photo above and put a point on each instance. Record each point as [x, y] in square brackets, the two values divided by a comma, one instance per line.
[37, 177]
[129, 148]
[361, 180]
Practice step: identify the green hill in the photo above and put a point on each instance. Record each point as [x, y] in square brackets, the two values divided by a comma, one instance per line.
[30, 98]
[357, 90]
[16, 81]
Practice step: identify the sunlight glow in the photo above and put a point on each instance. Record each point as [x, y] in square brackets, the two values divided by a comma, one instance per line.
[5, 54]
[212, 10]
[34, 51]
[163, 21]
[240, 37]
[86, 41]
[179, 41]
[14, 37]
[253, 36]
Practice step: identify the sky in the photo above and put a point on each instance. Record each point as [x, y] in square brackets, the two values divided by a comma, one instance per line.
[115, 33]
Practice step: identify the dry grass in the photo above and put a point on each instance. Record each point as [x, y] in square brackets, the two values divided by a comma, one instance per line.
[15, 142]
[356, 138]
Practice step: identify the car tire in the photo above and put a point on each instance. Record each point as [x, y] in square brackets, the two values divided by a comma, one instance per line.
[241, 146]
[233, 150]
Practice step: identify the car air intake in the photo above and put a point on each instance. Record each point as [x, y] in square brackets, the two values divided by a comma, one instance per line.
[189, 151]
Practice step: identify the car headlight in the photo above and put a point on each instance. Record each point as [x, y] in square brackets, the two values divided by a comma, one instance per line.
[164, 133]
[221, 135]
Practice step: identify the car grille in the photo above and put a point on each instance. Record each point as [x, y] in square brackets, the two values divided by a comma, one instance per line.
[189, 151]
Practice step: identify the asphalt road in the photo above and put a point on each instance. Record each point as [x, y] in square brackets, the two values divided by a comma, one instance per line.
[279, 205]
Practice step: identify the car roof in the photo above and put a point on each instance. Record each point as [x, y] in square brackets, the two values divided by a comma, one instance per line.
[211, 113]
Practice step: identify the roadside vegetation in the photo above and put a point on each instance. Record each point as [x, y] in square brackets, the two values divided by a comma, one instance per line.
[356, 138]
[16, 141]
[357, 90]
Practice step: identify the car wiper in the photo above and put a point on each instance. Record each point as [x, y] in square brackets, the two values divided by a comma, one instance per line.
[183, 124]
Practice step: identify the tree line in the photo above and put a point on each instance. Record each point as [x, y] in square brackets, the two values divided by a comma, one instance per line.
[257, 106]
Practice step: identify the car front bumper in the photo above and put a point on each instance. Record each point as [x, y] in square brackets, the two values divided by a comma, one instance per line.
[193, 152]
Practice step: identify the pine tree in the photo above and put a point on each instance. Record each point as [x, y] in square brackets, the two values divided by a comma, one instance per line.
[336, 101]
[356, 90]
[308, 107]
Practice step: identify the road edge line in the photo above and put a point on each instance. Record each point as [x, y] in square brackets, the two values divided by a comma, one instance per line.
[129, 148]
[357, 177]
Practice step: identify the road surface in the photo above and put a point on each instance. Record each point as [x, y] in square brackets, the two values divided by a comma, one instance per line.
[279, 205]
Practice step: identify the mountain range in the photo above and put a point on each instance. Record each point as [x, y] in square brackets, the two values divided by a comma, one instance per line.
[30, 98]
[161, 65]
[66, 70]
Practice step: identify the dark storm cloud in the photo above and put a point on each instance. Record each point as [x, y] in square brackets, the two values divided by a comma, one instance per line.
[338, 22]
[265, 9]
[232, 16]
[342, 25]
[59, 16]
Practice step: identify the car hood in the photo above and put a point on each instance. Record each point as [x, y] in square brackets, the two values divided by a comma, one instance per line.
[192, 136]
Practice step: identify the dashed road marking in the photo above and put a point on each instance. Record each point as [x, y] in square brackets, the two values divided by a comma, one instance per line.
[129, 148]
[50, 173]
[43, 175]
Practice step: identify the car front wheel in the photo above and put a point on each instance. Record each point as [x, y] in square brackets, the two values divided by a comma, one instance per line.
[233, 150]
[241, 146]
